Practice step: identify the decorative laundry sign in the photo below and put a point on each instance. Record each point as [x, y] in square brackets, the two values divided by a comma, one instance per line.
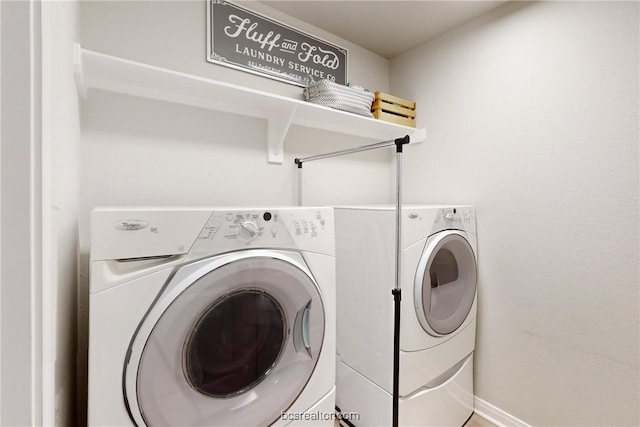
[242, 39]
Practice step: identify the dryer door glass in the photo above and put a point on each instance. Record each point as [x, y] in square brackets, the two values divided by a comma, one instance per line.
[232, 340]
[445, 283]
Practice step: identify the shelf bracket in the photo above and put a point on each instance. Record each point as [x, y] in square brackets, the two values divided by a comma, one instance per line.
[78, 71]
[278, 122]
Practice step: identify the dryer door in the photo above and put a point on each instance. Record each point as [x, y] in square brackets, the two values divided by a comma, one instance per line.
[231, 340]
[445, 283]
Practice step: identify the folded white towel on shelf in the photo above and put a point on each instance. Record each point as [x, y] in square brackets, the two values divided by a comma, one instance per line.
[334, 95]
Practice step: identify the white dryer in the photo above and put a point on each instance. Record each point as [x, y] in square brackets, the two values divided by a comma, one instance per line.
[438, 314]
[220, 317]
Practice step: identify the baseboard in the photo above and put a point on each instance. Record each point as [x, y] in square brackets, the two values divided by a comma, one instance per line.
[496, 415]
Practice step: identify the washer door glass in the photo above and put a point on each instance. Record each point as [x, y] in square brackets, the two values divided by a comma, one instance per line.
[235, 346]
[445, 284]
[235, 343]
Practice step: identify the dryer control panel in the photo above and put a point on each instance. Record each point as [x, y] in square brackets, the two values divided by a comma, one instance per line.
[457, 217]
[421, 221]
[296, 228]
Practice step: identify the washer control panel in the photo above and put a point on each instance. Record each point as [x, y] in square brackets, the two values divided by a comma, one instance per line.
[281, 227]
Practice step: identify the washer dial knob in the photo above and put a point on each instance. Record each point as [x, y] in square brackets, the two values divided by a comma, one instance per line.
[248, 231]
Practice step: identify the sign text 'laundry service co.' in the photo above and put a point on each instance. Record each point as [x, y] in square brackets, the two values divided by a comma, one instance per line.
[240, 38]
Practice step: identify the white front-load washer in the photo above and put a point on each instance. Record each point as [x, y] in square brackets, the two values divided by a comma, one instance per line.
[438, 314]
[218, 317]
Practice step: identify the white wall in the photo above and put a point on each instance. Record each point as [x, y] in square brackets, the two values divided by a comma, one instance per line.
[147, 153]
[0, 216]
[532, 115]
[61, 168]
[20, 206]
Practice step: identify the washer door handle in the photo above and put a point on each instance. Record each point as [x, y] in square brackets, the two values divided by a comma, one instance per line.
[305, 328]
[301, 336]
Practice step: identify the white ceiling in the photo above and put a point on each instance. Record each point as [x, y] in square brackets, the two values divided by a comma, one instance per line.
[387, 28]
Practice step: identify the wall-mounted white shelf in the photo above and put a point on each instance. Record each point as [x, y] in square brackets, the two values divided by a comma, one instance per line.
[110, 73]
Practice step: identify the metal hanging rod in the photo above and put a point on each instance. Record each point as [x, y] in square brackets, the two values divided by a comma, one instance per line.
[396, 291]
[404, 140]
[398, 142]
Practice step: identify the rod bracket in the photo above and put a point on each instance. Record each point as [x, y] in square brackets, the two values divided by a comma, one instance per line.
[400, 142]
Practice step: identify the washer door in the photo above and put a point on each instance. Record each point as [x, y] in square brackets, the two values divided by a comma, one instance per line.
[232, 340]
[445, 283]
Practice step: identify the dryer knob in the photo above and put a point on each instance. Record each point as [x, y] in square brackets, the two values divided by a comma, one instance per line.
[248, 231]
